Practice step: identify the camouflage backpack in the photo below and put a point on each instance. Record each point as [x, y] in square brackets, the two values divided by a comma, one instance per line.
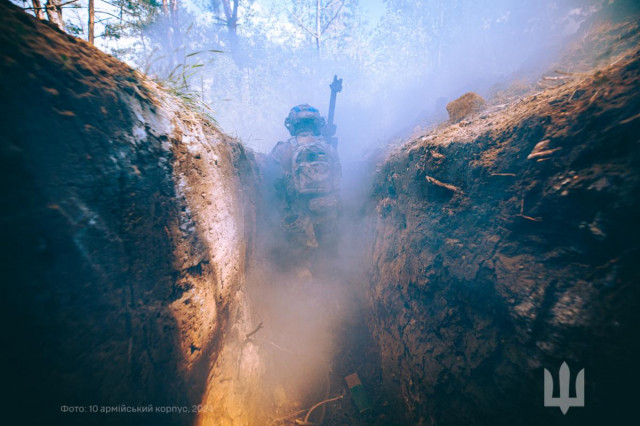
[312, 167]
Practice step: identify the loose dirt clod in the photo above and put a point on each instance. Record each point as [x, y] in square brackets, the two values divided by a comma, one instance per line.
[466, 105]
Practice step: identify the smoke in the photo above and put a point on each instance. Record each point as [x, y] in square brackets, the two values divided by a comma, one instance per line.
[399, 71]
[394, 71]
[302, 322]
[394, 68]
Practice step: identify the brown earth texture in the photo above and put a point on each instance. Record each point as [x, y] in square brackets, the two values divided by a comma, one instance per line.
[127, 223]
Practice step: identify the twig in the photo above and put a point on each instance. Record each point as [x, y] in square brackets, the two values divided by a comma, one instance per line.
[306, 418]
[107, 13]
[522, 215]
[328, 5]
[313, 34]
[45, 7]
[503, 174]
[630, 119]
[442, 184]
[534, 219]
[537, 154]
[279, 419]
[276, 346]
[258, 328]
[567, 73]
[613, 261]
[572, 94]
[334, 17]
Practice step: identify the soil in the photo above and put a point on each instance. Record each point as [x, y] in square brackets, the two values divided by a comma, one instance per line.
[508, 243]
[465, 106]
[126, 222]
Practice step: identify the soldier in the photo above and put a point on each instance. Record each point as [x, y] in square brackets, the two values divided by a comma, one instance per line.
[307, 181]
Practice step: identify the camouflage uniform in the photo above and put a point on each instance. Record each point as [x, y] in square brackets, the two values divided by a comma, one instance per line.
[309, 209]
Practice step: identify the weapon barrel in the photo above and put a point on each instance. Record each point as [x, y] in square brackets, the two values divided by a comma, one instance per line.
[332, 107]
[330, 130]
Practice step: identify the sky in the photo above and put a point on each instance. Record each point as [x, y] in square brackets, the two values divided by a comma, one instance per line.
[374, 9]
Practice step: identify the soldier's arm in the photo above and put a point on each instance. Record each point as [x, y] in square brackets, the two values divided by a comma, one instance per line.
[281, 157]
[281, 154]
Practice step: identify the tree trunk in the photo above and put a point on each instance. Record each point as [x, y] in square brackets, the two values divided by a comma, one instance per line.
[440, 26]
[167, 15]
[91, 21]
[231, 22]
[37, 9]
[175, 25]
[170, 11]
[54, 12]
[231, 15]
[318, 28]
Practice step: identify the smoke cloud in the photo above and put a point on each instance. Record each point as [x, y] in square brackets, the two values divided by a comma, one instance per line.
[398, 68]
[401, 61]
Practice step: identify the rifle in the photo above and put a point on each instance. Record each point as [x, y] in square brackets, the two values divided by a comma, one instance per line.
[330, 129]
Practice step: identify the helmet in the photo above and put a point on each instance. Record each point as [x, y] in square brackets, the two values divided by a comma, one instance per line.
[304, 118]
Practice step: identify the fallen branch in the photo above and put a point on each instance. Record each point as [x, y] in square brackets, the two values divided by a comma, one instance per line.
[503, 174]
[448, 186]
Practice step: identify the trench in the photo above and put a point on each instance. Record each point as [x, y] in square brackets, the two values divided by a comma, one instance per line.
[146, 284]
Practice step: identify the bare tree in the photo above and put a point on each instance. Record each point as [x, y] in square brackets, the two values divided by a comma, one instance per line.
[54, 12]
[170, 11]
[231, 15]
[322, 18]
[229, 19]
[37, 9]
[91, 21]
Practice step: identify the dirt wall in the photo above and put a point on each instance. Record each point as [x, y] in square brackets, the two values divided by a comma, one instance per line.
[127, 223]
[509, 244]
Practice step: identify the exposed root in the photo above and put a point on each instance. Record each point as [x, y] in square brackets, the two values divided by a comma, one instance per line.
[326, 401]
[522, 215]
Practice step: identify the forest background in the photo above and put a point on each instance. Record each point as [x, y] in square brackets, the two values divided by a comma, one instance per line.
[247, 62]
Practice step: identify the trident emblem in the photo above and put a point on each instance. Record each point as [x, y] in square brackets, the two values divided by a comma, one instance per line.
[564, 401]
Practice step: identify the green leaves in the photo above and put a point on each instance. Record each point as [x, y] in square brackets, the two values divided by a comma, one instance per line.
[177, 82]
